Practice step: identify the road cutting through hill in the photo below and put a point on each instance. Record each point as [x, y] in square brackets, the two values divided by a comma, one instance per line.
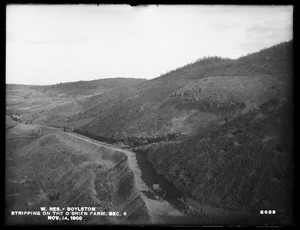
[171, 210]
[159, 211]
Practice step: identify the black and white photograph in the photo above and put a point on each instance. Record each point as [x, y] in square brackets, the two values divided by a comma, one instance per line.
[149, 115]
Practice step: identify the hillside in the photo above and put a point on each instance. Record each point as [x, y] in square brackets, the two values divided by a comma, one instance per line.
[244, 164]
[68, 172]
[186, 100]
[230, 117]
[87, 88]
[276, 60]
[37, 102]
[219, 130]
[79, 88]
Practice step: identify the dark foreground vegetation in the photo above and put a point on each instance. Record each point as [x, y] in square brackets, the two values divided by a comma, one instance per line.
[244, 164]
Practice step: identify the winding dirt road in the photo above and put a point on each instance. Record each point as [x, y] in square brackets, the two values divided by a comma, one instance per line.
[159, 211]
[162, 212]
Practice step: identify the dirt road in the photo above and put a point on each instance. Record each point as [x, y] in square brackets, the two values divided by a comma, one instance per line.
[162, 212]
[159, 211]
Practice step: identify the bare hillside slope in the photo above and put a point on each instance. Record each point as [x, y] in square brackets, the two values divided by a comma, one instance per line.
[185, 100]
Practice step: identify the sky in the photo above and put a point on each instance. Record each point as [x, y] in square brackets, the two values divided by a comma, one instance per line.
[50, 44]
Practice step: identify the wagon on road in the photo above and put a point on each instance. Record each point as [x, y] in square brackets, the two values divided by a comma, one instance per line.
[159, 192]
[156, 187]
[68, 129]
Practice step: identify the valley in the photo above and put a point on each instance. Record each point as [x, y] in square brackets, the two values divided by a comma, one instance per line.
[216, 135]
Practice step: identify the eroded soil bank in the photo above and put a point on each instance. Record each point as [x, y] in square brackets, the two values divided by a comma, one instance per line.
[50, 168]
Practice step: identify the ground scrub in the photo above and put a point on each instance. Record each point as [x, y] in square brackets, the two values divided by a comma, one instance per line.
[231, 166]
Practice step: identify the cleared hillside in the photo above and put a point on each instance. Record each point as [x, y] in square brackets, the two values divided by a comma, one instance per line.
[184, 101]
[37, 102]
[87, 88]
[180, 103]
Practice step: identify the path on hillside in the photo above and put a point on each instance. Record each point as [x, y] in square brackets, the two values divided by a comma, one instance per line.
[132, 162]
[159, 211]
[164, 212]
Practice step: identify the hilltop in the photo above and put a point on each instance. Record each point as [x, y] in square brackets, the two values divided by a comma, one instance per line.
[37, 101]
[178, 104]
[87, 88]
[276, 60]
[184, 101]
[78, 88]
